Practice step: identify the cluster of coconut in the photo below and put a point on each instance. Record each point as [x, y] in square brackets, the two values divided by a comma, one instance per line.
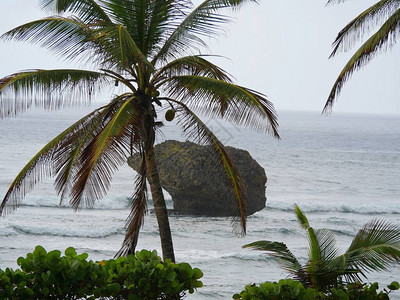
[170, 113]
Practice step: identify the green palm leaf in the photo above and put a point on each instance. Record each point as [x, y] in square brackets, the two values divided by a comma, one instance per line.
[284, 256]
[146, 21]
[375, 247]
[195, 65]
[360, 25]
[217, 98]
[69, 38]
[104, 154]
[135, 219]
[40, 166]
[48, 89]
[87, 10]
[194, 128]
[66, 158]
[381, 40]
[204, 20]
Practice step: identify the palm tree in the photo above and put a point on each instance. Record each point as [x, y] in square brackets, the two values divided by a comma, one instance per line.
[146, 48]
[374, 248]
[387, 11]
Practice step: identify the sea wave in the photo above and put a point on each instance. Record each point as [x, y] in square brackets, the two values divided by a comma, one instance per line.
[363, 209]
[68, 232]
[110, 202]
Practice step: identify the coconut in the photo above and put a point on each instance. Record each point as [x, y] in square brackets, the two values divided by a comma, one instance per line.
[170, 115]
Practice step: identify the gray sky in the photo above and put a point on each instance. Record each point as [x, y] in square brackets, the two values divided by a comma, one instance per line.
[279, 48]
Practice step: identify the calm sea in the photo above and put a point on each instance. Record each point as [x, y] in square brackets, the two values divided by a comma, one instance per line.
[343, 170]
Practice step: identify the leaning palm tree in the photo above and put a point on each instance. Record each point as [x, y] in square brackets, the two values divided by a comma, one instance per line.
[374, 248]
[147, 49]
[387, 11]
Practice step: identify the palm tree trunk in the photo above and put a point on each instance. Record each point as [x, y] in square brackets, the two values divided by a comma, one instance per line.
[159, 205]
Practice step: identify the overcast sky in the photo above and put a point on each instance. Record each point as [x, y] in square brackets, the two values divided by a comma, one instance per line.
[279, 48]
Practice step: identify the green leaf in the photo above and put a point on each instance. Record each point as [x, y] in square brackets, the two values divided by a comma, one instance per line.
[394, 286]
[70, 252]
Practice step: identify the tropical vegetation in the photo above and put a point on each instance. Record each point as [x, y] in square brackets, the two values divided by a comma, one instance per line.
[49, 275]
[386, 12]
[289, 289]
[374, 248]
[147, 52]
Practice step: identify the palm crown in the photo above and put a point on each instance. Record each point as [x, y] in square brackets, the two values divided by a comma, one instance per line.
[146, 48]
[375, 247]
[384, 37]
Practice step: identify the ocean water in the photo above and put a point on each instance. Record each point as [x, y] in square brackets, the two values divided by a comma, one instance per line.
[343, 170]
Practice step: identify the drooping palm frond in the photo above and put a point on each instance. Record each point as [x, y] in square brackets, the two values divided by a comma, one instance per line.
[194, 128]
[40, 166]
[69, 38]
[386, 34]
[284, 256]
[104, 154]
[135, 219]
[216, 98]
[195, 65]
[87, 10]
[66, 158]
[49, 89]
[363, 23]
[204, 21]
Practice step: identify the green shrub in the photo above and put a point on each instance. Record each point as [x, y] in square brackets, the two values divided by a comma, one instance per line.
[48, 275]
[145, 276]
[285, 289]
[289, 289]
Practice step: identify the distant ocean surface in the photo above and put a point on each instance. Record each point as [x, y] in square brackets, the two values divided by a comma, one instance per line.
[343, 170]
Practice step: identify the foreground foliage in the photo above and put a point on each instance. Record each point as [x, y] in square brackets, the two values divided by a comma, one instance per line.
[374, 248]
[289, 289]
[48, 275]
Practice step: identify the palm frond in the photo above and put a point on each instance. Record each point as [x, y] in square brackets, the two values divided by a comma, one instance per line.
[327, 244]
[283, 255]
[49, 89]
[104, 154]
[40, 166]
[115, 48]
[138, 210]
[195, 129]
[87, 10]
[146, 21]
[355, 30]
[195, 65]
[375, 246]
[314, 250]
[386, 35]
[216, 98]
[69, 38]
[204, 21]
[66, 158]
[301, 217]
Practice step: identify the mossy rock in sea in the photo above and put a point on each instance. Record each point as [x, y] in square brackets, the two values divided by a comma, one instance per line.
[197, 184]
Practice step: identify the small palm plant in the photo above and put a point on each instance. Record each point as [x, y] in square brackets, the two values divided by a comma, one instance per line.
[375, 247]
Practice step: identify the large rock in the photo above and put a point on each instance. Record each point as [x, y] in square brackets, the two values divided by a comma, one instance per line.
[197, 183]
